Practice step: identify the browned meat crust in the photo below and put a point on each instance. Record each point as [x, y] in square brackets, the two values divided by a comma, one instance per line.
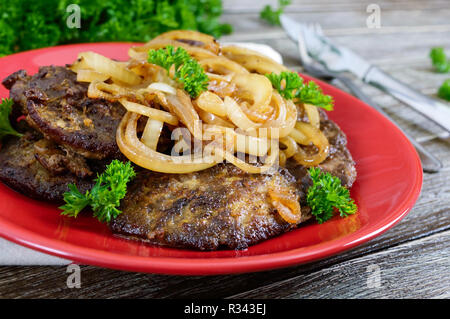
[20, 170]
[221, 207]
[57, 106]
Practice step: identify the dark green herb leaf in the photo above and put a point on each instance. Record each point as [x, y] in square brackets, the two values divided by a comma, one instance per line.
[34, 24]
[291, 86]
[273, 16]
[444, 90]
[188, 71]
[439, 60]
[5, 124]
[105, 196]
[327, 194]
[75, 201]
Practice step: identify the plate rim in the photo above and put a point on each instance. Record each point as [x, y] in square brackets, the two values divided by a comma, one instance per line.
[217, 265]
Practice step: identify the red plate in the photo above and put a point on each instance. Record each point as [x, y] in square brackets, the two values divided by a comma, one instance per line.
[388, 184]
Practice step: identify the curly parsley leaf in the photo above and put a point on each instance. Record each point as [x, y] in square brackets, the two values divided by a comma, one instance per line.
[444, 90]
[273, 16]
[439, 60]
[5, 124]
[327, 194]
[105, 195]
[291, 86]
[75, 201]
[312, 94]
[286, 83]
[188, 72]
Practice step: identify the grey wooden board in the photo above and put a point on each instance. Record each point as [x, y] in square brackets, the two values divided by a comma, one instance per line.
[392, 273]
[413, 256]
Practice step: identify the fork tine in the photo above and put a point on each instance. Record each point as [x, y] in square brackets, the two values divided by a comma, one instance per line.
[303, 51]
[311, 46]
[309, 27]
[318, 29]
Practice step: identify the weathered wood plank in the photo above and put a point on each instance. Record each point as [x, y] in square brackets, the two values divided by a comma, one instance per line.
[350, 22]
[417, 269]
[379, 48]
[310, 6]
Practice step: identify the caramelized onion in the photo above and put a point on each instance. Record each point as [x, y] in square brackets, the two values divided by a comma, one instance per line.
[85, 75]
[109, 67]
[237, 116]
[222, 65]
[243, 116]
[155, 114]
[151, 133]
[191, 38]
[318, 139]
[144, 156]
[286, 203]
[212, 103]
[252, 60]
[313, 115]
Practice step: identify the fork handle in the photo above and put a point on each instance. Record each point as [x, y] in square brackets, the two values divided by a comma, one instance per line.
[432, 109]
[430, 163]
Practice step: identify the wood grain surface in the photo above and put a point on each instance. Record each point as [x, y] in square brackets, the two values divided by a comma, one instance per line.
[411, 260]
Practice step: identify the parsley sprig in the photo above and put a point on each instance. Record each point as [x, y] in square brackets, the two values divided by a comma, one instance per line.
[105, 195]
[188, 71]
[5, 124]
[442, 65]
[327, 194]
[273, 15]
[292, 87]
[439, 60]
[444, 90]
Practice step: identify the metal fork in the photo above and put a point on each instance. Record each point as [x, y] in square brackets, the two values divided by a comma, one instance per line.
[430, 163]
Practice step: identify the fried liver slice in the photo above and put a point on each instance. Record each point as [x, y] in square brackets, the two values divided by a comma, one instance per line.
[56, 105]
[221, 207]
[21, 170]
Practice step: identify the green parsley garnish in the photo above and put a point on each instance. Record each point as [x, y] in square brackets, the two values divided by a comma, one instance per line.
[26, 25]
[273, 16]
[188, 71]
[291, 86]
[444, 90]
[327, 194]
[105, 195]
[439, 60]
[5, 124]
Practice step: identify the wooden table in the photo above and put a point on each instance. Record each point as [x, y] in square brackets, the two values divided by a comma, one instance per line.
[413, 257]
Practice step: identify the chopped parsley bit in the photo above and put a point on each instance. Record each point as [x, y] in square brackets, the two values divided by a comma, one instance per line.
[327, 194]
[273, 16]
[105, 195]
[439, 60]
[444, 90]
[5, 124]
[291, 86]
[188, 71]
